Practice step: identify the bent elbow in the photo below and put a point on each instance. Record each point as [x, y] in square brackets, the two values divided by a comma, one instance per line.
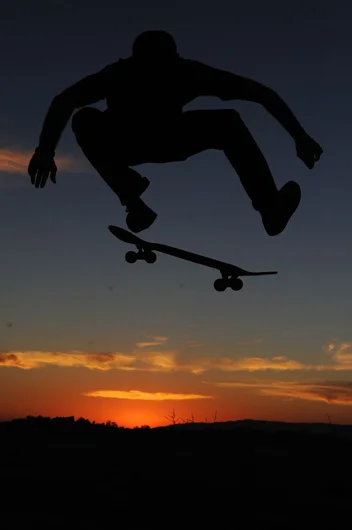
[268, 98]
[65, 100]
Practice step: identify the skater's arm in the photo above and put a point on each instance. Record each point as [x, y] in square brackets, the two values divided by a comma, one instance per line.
[89, 90]
[228, 86]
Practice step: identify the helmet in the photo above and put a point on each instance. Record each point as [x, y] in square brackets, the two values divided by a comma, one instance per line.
[154, 46]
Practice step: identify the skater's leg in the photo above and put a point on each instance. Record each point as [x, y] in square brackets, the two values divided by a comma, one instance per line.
[90, 127]
[93, 135]
[246, 158]
[224, 129]
[276, 207]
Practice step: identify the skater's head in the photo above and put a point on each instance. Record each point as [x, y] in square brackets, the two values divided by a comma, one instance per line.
[154, 47]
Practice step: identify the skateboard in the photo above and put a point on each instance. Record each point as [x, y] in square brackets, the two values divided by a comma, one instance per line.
[146, 251]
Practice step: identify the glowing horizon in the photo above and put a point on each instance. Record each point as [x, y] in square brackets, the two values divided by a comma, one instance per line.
[197, 383]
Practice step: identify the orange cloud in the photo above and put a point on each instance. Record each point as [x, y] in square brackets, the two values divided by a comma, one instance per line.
[159, 360]
[333, 392]
[155, 341]
[255, 364]
[144, 360]
[28, 360]
[144, 396]
[340, 352]
[16, 160]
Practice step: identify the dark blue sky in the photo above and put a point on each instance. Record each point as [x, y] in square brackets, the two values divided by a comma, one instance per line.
[58, 255]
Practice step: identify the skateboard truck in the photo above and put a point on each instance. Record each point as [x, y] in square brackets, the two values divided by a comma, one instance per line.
[221, 284]
[143, 254]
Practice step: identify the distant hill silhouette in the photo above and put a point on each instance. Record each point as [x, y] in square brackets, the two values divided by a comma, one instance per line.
[69, 425]
[63, 472]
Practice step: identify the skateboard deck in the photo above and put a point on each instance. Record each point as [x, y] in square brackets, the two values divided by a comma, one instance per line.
[146, 251]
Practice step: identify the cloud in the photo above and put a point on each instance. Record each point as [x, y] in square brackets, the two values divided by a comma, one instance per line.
[340, 352]
[28, 360]
[144, 396]
[154, 341]
[10, 359]
[255, 364]
[143, 358]
[16, 160]
[332, 392]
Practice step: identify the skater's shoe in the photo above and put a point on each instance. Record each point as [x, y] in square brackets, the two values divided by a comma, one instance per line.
[139, 216]
[277, 212]
[136, 187]
[141, 185]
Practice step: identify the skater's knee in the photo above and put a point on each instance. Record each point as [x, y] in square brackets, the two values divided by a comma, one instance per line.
[229, 118]
[234, 125]
[234, 117]
[229, 121]
[84, 118]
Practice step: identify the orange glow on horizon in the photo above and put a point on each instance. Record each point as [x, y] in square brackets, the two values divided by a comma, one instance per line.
[143, 386]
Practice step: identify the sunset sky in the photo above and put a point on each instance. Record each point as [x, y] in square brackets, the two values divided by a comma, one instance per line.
[84, 333]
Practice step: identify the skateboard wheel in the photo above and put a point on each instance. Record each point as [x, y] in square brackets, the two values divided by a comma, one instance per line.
[220, 285]
[131, 257]
[236, 284]
[150, 257]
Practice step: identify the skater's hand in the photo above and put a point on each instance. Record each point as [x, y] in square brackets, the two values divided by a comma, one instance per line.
[308, 150]
[40, 167]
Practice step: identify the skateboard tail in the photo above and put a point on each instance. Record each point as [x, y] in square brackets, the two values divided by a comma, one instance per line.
[263, 273]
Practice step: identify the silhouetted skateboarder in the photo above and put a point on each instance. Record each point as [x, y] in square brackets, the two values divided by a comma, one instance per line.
[145, 123]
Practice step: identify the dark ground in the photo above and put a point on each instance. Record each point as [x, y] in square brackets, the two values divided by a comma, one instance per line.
[62, 473]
